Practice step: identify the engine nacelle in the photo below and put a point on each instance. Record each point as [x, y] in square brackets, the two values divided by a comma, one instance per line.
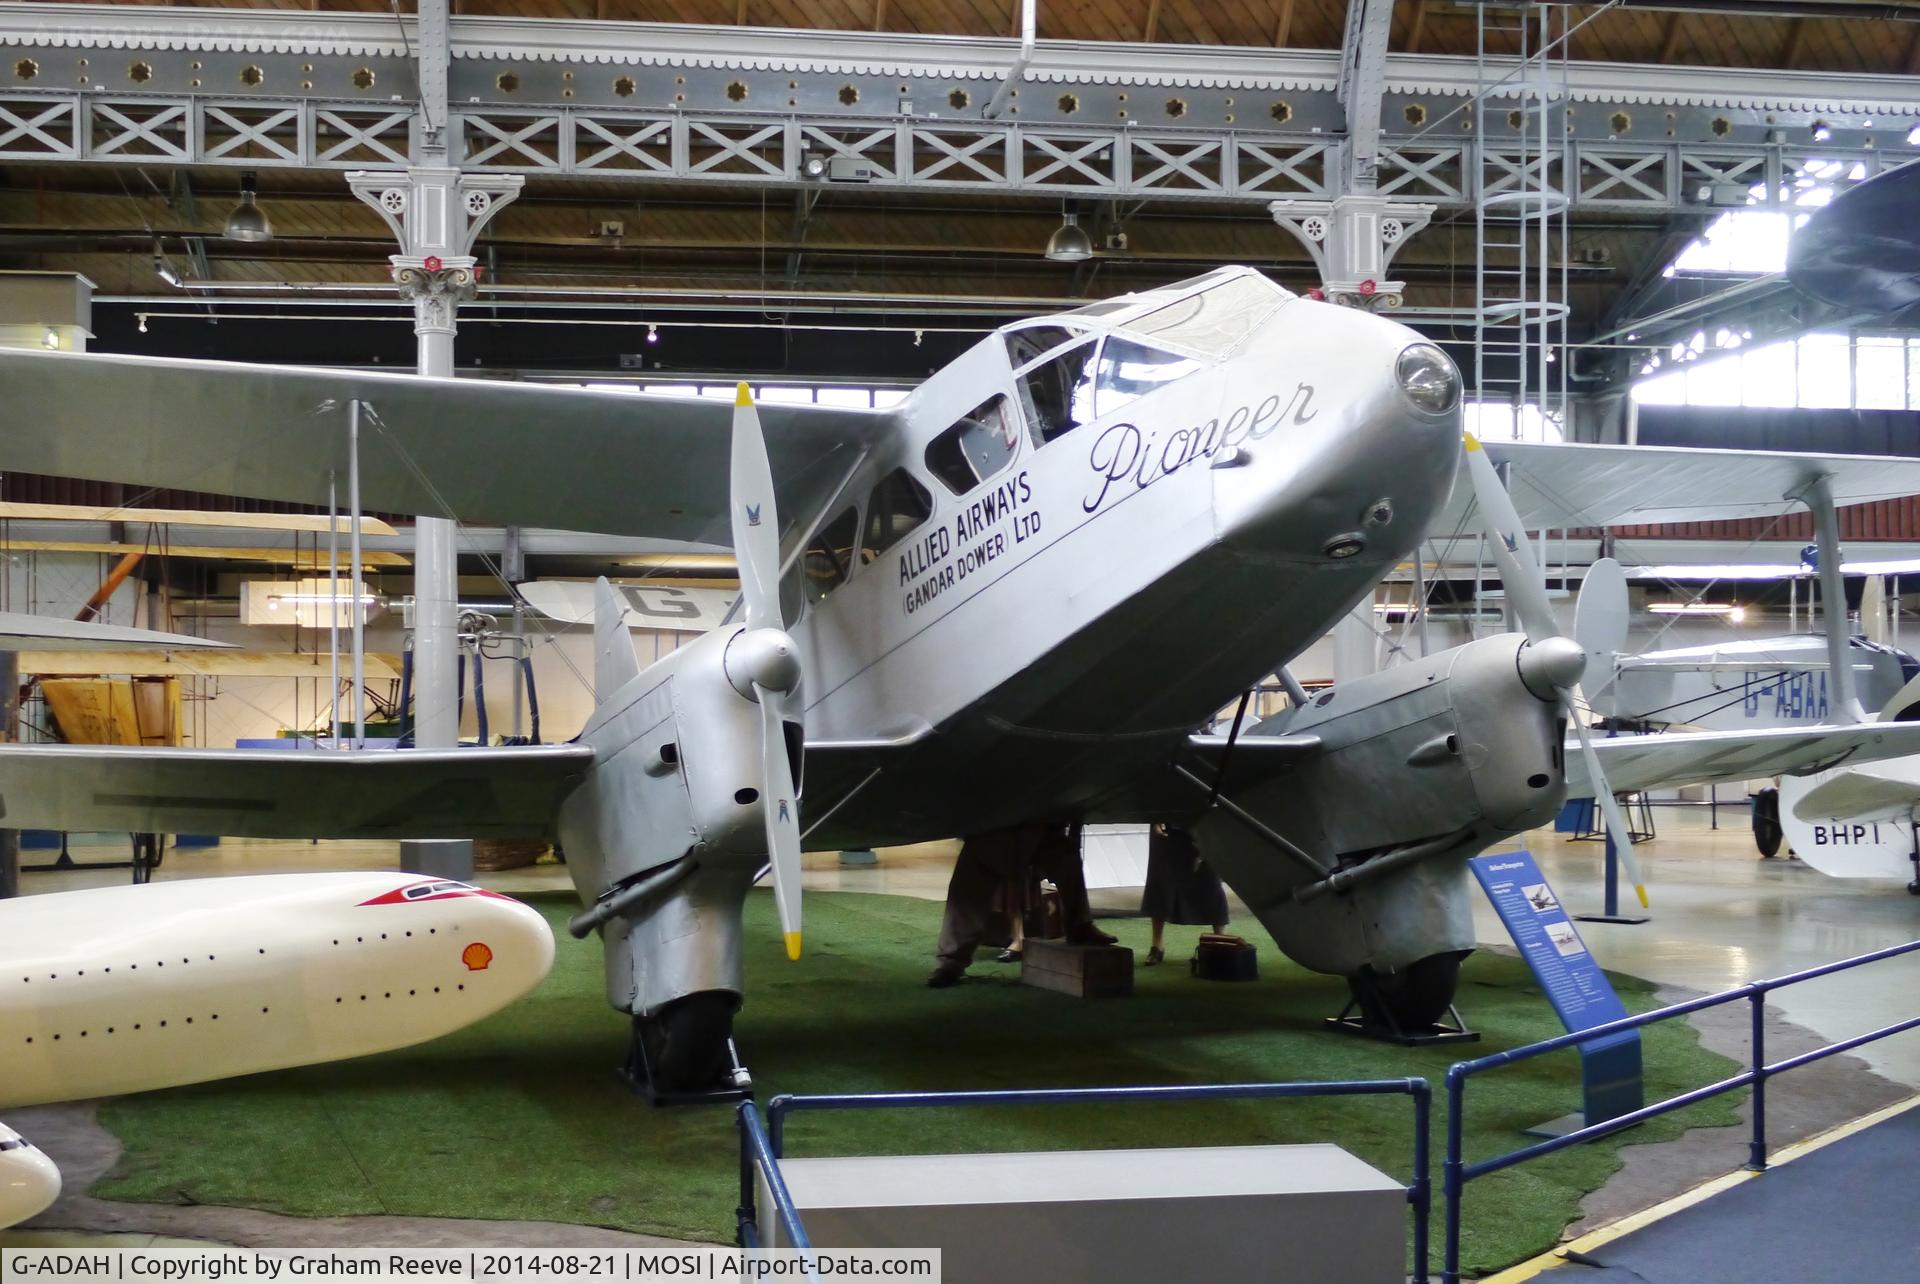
[1454, 747]
[675, 798]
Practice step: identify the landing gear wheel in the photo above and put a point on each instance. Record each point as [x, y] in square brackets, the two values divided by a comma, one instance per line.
[1766, 822]
[1412, 999]
[685, 1044]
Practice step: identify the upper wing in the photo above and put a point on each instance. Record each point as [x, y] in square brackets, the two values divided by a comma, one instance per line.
[1573, 485]
[400, 793]
[480, 450]
[1706, 757]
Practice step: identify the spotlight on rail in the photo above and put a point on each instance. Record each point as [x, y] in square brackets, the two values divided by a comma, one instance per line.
[248, 222]
[1822, 131]
[164, 269]
[1069, 242]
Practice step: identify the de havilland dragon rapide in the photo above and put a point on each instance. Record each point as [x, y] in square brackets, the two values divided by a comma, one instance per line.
[1011, 600]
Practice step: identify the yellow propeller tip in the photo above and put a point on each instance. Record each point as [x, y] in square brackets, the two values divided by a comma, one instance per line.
[1643, 895]
[1473, 442]
[742, 395]
[793, 943]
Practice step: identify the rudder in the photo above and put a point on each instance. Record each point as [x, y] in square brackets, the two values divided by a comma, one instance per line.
[614, 663]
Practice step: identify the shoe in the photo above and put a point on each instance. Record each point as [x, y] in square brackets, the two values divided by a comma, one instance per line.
[1009, 955]
[1088, 934]
[944, 976]
[1156, 956]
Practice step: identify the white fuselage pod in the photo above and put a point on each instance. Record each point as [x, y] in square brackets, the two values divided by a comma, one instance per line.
[124, 989]
[29, 1182]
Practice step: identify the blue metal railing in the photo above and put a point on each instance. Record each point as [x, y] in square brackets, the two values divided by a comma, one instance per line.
[1455, 1173]
[761, 1150]
[756, 1155]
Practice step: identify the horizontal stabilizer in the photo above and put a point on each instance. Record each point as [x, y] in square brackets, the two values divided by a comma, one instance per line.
[1889, 792]
[290, 793]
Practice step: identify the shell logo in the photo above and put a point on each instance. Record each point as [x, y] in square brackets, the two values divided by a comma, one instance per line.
[476, 956]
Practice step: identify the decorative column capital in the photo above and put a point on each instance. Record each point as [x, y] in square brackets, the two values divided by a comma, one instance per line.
[1352, 240]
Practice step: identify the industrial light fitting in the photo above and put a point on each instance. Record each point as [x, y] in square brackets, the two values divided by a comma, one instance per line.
[813, 166]
[142, 317]
[1822, 131]
[1069, 242]
[248, 222]
[163, 269]
[1913, 136]
[51, 339]
[653, 333]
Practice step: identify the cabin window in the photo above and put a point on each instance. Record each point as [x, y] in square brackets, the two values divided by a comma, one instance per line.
[1036, 341]
[829, 556]
[1130, 370]
[979, 445]
[1058, 394]
[1215, 320]
[897, 504]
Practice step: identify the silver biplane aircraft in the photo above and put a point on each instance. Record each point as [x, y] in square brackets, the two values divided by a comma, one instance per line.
[1008, 601]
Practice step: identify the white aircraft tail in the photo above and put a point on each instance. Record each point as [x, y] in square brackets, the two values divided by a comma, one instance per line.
[1600, 622]
[614, 663]
[1905, 705]
[1872, 837]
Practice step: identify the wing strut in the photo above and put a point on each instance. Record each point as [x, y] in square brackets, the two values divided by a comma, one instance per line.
[1833, 599]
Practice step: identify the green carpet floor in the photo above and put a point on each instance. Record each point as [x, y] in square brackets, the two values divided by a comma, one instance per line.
[523, 1117]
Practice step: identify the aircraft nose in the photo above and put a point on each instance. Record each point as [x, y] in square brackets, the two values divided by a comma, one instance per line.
[509, 952]
[29, 1181]
[1365, 453]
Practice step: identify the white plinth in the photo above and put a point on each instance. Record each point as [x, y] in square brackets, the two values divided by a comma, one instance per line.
[1303, 1214]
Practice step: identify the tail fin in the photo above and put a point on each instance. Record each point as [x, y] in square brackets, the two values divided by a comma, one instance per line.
[614, 663]
[1600, 622]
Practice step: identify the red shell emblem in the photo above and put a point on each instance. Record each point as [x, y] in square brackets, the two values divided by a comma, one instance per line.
[1367, 287]
[433, 263]
[476, 956]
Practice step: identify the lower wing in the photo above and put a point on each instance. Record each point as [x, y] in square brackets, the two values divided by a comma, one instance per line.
[1708, 757]
[399, 793]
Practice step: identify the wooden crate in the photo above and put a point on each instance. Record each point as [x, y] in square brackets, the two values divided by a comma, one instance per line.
[1084, 971]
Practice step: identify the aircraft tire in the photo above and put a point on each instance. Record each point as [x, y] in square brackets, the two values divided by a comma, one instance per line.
[1767, 834]
[687, 1041]
[1415, 997]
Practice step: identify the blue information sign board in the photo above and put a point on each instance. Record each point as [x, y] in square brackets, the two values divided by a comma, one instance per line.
[1573, 981]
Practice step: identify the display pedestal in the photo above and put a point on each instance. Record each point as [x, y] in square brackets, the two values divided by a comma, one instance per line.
[1304, 1214]
[1084, 971]
[1351, 1021]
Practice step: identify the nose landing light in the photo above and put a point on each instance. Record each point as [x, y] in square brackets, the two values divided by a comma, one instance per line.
[1428, 378]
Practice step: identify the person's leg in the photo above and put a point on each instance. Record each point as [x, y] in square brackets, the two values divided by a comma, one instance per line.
[1017, 949]
[1060, 861]
[969, 903]
[1157, 953]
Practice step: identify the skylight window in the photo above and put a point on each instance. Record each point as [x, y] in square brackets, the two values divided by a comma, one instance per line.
[1754, 241]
